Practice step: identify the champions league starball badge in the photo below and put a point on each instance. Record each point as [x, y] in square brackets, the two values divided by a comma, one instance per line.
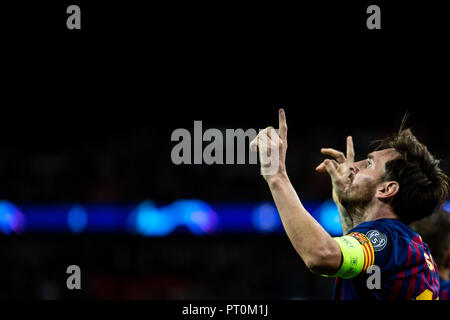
[378, 239]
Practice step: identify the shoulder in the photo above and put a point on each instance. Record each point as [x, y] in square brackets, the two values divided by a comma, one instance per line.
[384, 226]
[383, 232]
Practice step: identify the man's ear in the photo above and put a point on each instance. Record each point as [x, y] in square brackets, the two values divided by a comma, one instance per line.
[387, 189]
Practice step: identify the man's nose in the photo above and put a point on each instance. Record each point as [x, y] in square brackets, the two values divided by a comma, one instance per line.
[354, 168]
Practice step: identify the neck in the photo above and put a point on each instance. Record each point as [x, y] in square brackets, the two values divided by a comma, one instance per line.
[373, 211]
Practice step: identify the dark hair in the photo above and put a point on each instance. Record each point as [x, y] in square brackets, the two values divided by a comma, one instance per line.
[423, 184]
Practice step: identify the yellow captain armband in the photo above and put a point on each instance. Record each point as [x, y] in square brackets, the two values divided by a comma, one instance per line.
[352, 258]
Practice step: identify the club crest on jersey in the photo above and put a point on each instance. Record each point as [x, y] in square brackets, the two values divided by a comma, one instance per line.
[378, 239]
[360, 237]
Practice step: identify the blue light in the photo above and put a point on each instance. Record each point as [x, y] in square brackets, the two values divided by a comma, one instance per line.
[155, 219]
[77, 219]
[328, 215]
[11, 219]
[446, 206]
[195, 214]
[265, 218]
[108, 217]
[147, 220]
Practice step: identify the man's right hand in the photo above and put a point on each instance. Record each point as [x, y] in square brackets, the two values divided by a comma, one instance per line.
[338, 168]
[341, 173]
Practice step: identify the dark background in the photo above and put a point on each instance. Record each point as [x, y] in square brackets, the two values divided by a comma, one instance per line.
[87, 117]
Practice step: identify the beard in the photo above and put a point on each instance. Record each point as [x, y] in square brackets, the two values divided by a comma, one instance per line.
[356, 197]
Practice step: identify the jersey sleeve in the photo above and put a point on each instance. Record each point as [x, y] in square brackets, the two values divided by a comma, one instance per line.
[363, 247]
[376, 242]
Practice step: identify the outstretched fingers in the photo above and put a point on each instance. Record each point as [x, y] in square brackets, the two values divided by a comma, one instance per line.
[321, 167]
[331, 168]
[338, 155]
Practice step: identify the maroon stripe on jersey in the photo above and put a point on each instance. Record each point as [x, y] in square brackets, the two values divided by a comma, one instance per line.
[397, 286]
[436, 278]
[415, 270]
[422, 278]
[401, 275]
[444, 295]
[339, 294]
[436, 282]
[437, 286]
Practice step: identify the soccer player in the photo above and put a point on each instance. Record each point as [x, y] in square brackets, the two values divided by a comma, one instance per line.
[377, 197]
[435, 230]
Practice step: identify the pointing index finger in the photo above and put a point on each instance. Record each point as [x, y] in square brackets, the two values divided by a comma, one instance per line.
[350, 149]
[282, 125]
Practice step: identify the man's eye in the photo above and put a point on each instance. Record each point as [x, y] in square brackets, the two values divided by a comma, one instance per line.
[369, 163]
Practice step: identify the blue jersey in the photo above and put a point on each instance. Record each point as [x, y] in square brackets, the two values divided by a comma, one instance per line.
[445, 289]
[407, 267]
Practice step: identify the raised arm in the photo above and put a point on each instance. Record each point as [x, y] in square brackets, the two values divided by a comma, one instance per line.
[315, 246]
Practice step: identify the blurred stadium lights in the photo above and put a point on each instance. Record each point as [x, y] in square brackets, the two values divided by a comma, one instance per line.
[447, 206]
[328, 216]
[265, 217]
[157, 220]
[196, 215]
[147, 220]
[77, 218]
[11, 218]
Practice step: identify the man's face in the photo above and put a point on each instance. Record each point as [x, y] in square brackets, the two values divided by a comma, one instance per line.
[364, 177]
